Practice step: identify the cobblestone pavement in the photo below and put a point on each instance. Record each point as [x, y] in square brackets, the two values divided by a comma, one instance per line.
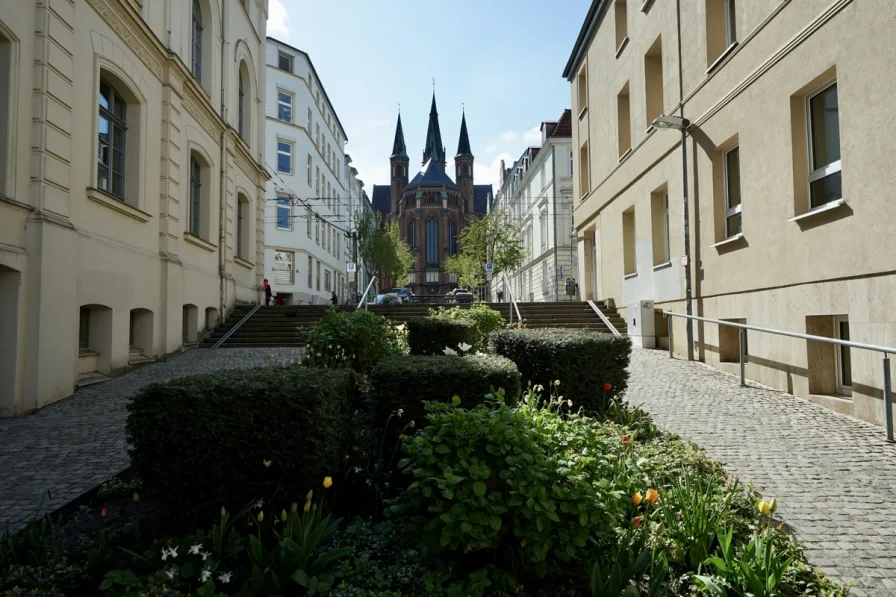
[72, 446]
[834, 476]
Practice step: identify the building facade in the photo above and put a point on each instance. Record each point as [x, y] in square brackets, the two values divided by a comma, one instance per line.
[536, 197]
[131, 184]
[358, 208]
[790, 202]
[306, 214]
[431, 209]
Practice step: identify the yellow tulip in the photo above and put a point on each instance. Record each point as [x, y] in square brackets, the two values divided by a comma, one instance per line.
[764, 507]
[294, 507]
[637, 498]
[136, 497]
[653, 495]
[773, 505]
[261, 516]
[307, 505]
[283, 515]
[328, 482]
[223, 512]
[310, 493]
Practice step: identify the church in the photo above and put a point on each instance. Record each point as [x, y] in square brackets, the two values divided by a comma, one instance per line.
[431, 209]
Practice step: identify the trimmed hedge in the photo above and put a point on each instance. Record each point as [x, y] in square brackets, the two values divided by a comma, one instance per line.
[407, 382]
[582, 360]
[202, 442]
[430, 336]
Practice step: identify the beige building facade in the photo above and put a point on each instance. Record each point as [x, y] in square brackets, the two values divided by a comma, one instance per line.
[131, 183]
[788, 175]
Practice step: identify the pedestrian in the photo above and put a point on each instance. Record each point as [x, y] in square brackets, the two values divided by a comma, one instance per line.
[500, 296]
[334, 299]
[267, 292]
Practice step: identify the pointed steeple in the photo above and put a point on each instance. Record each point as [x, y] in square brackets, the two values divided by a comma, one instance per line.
[433, 134]
[463, 144]
[399, 150]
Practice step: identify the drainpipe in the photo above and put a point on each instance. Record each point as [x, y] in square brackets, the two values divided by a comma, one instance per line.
[554, 201]
[222, 212]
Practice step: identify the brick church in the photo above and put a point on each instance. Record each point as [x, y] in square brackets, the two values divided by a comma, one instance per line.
[431, 209]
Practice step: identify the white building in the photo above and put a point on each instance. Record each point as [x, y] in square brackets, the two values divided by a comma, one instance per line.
[536, 196]
[306, 214]
[358, 206]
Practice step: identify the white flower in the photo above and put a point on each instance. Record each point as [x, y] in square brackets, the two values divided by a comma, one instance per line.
[164, 554]
[224, 577]
[195, 549]
[258, 504]
[411, 425]
[205, 555]
[450, 352]
[170, 573]
[169, 552]
[464, 347]
[205, 575]
[479, 353]
[357, 469]
[400, 412]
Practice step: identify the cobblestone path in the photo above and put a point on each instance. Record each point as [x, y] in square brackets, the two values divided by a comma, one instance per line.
[834, 476]
[72, 446]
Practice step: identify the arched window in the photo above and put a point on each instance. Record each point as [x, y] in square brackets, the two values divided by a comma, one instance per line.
[197, 40]
[111, 138]
[412, 233]
[452, 238]
[242, 104]
[432, 241]
[195, 196]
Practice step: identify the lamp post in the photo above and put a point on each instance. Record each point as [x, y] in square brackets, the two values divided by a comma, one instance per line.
[682, 124]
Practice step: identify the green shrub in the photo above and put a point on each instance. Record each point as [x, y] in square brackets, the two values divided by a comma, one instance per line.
[430, 336]
[406, 383]
[227, 438]
[582, 360]
[485, 320]
[357, 339]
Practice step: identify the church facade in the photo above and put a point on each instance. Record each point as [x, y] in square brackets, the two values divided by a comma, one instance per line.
[431, 209]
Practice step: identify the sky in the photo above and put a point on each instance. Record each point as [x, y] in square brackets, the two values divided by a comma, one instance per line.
[499, 60]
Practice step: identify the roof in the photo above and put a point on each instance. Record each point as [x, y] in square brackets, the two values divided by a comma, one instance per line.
[382, 198]
[432, 175]
[398, 147]
[463, 143]
[592, 19]
[481, 195]
[433, 132]
[564, 125]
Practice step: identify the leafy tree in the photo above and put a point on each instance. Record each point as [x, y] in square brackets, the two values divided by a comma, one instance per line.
[469, 270]
[381, 250]
[483, 240]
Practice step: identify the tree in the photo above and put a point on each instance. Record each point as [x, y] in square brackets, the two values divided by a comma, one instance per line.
[381, 250]
[468, 269]
[487, 240]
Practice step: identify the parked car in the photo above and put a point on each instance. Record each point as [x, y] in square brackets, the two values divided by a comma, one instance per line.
[461, 296]
[405, 294]
[389, 298]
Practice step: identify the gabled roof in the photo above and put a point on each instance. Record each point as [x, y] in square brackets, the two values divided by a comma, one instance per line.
[564, 126]
[463, 143]
[398, 147]
[432, 175]
[382, 198]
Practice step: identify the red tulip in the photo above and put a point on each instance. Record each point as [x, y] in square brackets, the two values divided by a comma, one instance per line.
[636, 522]
[607, 386]
[626, 439]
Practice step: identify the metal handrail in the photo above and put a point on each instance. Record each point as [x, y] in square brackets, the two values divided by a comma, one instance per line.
[230, 332]
[513, 303]
[742, 337]
[604, 319]
[364, 296]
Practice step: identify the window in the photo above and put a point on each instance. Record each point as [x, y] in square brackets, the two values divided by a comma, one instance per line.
[730, 23]
[84, 328]
[310, 273]
[621, 24]
[452, 238]
[242, 230]
[284, 106]
[308, 218]
[241, 120]
[733, 224]
[543, 229]
[629, 263]
[283, 270]
[317, 229]
[825, 183]
[412, 233]
[721, 29]
[317, 135]
[582, 89]
[284, 61]
[195, 196]
[197, 41]
[317, 101]
[432, 241]
[653, 80]
[729, 341]
[659, 221]
[327, 275]
[572, 156]
[317, 180]
[623, 121]
[284, 157]
[842, 355]
[111, 139]
[309, 169]
[284, 212]
[318, 275]
[584, 169]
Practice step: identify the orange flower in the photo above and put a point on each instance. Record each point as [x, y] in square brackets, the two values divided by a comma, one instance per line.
[328, 482]
[103, 512]
[607, 386]
[626, 439]
[637, 498]
[653, 495]
[636, 522]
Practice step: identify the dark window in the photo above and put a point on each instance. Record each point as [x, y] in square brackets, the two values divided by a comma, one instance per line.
[84, 328]
[412, 233]
[825, 181]
[242, 106]
[240, 206]
[452, 238]
[284, 106]
[432, 241]
[197, 40]
[195, 196]
[110, 151]
[284, 157]
[285, 62]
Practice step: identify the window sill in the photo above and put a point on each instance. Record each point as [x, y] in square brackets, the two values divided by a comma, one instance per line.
[660, 266]
[621, 47]
[118, 205]
[244, 263]
[87, 352]
[630, 276]
[819, 210]
[625, 155]
[582, 112]
[202, 244]
[728, 241]
[721, 58]
[645, 6]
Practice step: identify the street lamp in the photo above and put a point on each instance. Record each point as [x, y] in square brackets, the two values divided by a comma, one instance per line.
[682, 124]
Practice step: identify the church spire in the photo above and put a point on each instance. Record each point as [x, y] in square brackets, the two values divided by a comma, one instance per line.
[463, 144]
[433, 134]
[399, 150]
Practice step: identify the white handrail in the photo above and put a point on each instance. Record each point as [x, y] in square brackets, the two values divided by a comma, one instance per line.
[603, 318]
[364, 296]
[513, 303]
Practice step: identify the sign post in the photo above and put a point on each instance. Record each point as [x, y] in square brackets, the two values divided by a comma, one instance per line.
[489, 267]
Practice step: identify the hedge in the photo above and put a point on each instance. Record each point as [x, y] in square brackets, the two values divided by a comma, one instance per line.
[430, 336]
[582, 360]
[407, 382]
[232, 437]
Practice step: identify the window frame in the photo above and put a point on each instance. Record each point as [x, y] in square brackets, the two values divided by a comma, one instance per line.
[667, 244]
[842, 388]
[281, 103]
[196, 32]
[431, 241]
[309, 225]
[737, 209]
[290, 154]
[730, 15]
[284, 202]
[195, 215]
[816, 174]
[280, 55]
[84, 328]
[290, 261]
[241, 104]
[239, 228]
[115, 123]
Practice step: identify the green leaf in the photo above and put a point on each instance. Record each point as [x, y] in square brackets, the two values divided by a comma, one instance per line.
[495, 522]
[479, 488]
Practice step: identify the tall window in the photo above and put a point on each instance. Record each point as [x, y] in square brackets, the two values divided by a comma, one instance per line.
[284, 106]
[112, 127]
[242, 104]
[310, 272]
[412, 233]
[284, 61]
[240, 227]
[327, 275]
[582, 89]
[309, 169]
[309, 121]
[432, 241]
[452, 238]
[543, 228]
[317, 180]
[197, 40]
[318, 275]
[84, 328]
[284, 212]
[308, 217]
[195, 196]
[825, 183]
[623, 120]
[733, 223]
[283, 270]
[659, 223]
[730, 23]
[584, 169]
[844, 360]
[284, 157]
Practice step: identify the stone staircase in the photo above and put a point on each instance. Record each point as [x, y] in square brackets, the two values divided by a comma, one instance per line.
[277, 326]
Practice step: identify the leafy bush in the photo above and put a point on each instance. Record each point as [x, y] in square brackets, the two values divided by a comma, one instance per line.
[402, 385]
[485, 320]
[232, 437]
[358, 339]
[430, 336]
[591, 366]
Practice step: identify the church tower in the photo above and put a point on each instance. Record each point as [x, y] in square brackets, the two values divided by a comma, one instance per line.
[434, 136]
[399, 162]
[463, 167]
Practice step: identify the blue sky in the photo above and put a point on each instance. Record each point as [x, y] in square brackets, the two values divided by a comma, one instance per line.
[502, 59]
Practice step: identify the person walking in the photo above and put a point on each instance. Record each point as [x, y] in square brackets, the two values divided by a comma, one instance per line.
[500, 296]
[267, 292]
[334, 299]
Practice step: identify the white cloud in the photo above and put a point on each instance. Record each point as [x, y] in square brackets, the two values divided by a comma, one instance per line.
[532, 137]
[277, 19]
[491, 148]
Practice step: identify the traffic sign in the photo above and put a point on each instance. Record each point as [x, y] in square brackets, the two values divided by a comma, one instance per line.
[489, 267]
[351, 268]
